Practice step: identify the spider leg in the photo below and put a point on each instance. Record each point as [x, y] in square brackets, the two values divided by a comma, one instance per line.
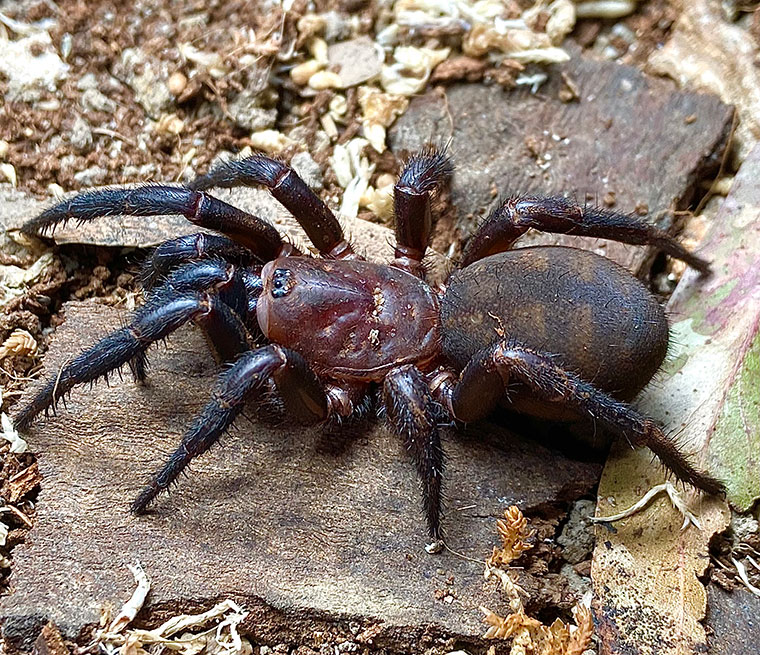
[261, 238]
[485, 378]
[235, 287]
[561, 215]
[191, 247]
[422, 175]
[238, 287]
[411, 410]
[163, 314]
[288, 188]
[245, 380]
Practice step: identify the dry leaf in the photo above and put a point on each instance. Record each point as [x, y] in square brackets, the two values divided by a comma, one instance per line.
[20, 342]
[515, 535]
[528, 635]
[649, 598]
[22, 483]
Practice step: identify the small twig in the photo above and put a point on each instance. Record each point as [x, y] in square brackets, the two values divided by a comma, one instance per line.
[462, 555]
[104, 131]
[744, 578]
[18, 513]
[675, 498]
[134, 604]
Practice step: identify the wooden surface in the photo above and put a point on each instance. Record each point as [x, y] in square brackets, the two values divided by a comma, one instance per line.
[278, 519]
[628, 133]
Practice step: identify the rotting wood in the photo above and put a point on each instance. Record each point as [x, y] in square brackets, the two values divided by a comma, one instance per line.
[274, 518]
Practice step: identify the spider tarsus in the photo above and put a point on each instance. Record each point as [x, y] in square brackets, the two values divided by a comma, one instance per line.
[251, 171]
[144, 499]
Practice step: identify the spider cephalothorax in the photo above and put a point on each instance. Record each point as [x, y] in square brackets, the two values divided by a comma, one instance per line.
[550, 331]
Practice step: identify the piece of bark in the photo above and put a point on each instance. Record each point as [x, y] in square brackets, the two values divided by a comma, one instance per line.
[50, 642]
[628, 134]
[733, 621]
[283, 520]
[707, 51]
[355, 61]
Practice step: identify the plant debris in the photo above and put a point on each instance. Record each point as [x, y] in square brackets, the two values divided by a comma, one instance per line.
[529, 635]
[214, 631]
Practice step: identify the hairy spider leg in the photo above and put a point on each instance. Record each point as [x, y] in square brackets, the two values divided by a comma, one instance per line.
[560, 215]
[191, 247]
[291, 191]
[236, 287]
[423, 174]
[261, 238]
[412, 412]
[485, 378]
[245, 380]
[159, 317]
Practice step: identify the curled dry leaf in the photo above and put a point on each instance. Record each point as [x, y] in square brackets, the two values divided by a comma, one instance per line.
[515, 537]
[379, 111]
[411, 68]
[561, 20]
[529, 635]
[18, 445]
[134, 604]
[20, 343]
[14, 280]
[324, 80]
[482, 39]
[214, 631]
[8, 171]
[302, 73]
[270, 141]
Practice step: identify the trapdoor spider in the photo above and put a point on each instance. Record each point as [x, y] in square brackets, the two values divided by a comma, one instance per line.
[554, 332]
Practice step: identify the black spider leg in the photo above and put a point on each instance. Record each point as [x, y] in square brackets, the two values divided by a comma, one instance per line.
[420, 178]
[245, 380]
[228, 333]
[288, 188]
[261, 238]
[485, 378]
[161, 315]
[412, 412]
[561, 215]
[191, 247]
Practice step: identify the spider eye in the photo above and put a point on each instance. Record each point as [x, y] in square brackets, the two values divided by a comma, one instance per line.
[282, 282]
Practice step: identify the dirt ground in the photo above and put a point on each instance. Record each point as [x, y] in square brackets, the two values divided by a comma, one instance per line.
[157, 91]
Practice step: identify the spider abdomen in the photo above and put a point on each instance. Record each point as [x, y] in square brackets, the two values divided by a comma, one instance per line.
[350, 319]
[591, 314]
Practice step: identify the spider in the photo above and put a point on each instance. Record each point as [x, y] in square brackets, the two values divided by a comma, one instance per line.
[554, 332]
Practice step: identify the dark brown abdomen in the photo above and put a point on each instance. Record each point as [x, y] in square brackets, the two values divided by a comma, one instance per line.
[598, 320]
